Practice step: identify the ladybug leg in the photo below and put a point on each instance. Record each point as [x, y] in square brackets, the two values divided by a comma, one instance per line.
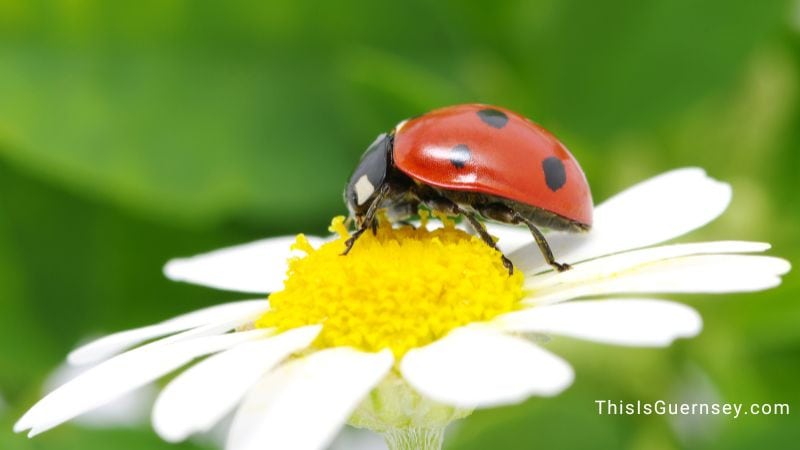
[544, 247]
[440, 203]
[507, 214]
[369, 221]
[478, 226]
[348, 245]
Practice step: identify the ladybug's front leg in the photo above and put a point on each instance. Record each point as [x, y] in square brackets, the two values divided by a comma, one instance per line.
[348, 245]
[368, 220]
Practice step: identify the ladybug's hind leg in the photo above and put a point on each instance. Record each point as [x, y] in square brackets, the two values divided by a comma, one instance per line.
[507, 214]
[544, 247]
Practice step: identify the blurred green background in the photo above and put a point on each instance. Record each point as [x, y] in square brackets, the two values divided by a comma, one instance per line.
[132, 132]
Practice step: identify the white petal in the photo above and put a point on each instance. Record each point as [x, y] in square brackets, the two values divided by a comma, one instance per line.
[258, 267]
[687, 274]
[482, 367]
[302, 404]
[112, 344]
[128, 410]
[110, 379]
[653, 211]
[202, 395]
[612, 265]
[637, 322]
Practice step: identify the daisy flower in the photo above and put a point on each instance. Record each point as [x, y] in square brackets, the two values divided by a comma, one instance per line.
[414, 328]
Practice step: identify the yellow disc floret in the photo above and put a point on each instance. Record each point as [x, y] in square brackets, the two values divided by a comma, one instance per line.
[399, 288]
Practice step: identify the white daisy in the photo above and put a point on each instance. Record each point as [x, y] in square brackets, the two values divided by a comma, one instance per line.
[414, 328]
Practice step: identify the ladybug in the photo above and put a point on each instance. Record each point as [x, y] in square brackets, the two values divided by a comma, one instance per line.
[476, 161]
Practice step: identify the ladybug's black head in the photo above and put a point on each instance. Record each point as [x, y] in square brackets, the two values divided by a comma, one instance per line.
[369, 177]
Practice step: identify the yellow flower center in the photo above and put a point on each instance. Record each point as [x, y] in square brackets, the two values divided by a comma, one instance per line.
[399, 288]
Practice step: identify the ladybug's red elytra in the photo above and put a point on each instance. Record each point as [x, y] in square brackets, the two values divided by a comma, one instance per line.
[477, 161]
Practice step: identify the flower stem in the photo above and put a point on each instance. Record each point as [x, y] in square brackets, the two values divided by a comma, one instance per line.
[414, 438]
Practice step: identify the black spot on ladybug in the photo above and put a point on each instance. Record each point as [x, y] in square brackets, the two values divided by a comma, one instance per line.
[554, 174]
[493, 118]
[460, 156]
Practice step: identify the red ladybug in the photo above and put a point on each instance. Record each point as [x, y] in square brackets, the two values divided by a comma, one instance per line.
[472, 160]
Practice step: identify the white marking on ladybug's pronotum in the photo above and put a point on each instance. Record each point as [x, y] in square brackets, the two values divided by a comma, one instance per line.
[400, 126]
[364, 189]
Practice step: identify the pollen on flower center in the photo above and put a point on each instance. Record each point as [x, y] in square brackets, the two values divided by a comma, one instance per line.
[399, 288]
